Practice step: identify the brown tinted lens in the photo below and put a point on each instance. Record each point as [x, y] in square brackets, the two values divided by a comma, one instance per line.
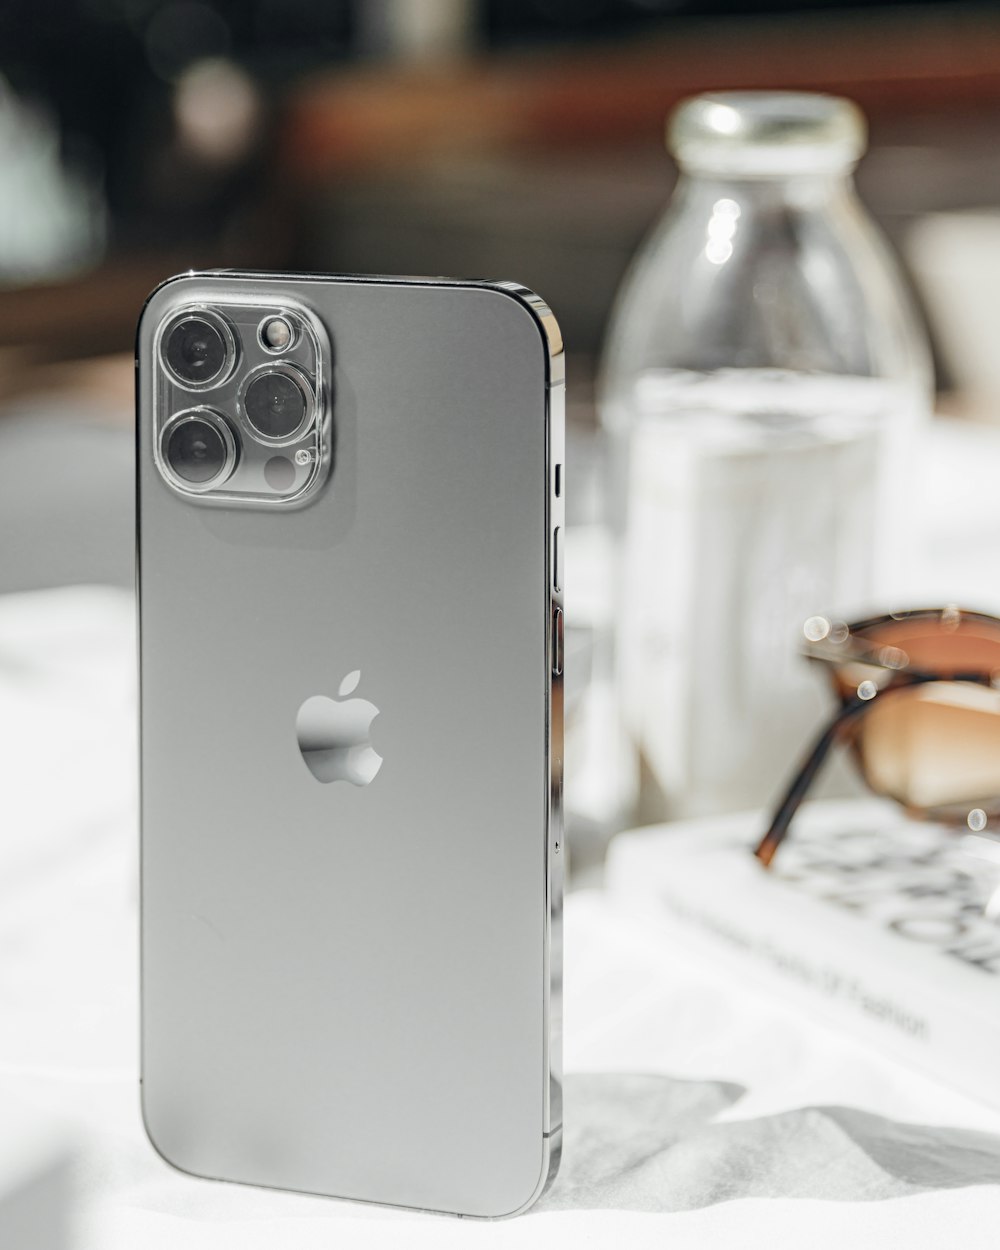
[933, 746]
[940, 646]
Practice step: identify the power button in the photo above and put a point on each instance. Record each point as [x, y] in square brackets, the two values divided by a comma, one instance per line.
[557, 641]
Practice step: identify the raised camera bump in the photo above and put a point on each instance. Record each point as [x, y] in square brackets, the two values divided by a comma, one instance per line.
[198, 450]
[198, 348]
[270, 393]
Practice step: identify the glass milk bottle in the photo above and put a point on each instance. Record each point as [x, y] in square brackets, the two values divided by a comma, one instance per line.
[763, 380]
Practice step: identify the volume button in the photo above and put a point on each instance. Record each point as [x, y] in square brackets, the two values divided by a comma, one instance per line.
[557, 641]
[557, 559]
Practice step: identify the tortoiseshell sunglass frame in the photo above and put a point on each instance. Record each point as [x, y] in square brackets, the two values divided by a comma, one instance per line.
[839, 644]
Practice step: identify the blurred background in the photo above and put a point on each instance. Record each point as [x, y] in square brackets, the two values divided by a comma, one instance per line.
[518, 139]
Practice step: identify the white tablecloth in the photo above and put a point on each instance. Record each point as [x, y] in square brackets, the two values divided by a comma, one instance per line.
[697, 1114]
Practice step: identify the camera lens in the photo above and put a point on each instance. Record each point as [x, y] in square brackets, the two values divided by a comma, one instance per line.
[199, 450]
[196, 351]
[275, 405]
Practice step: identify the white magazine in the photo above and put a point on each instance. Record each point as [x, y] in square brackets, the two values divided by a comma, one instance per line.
[876, 923]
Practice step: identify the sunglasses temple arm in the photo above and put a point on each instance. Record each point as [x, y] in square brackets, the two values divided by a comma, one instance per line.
[804, 779]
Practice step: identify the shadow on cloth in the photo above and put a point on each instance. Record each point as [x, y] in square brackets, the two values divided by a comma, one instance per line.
[642, 1142]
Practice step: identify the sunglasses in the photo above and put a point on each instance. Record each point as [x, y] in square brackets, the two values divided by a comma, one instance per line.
[919, 696]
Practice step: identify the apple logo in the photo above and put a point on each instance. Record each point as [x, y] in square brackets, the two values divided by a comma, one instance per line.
[335, 735]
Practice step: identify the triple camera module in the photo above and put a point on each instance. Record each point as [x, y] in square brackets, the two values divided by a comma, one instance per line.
[241, 411]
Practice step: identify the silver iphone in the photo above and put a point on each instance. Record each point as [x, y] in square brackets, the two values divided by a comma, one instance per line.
[350, 573]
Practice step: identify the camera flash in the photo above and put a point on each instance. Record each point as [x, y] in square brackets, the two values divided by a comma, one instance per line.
[276, 333]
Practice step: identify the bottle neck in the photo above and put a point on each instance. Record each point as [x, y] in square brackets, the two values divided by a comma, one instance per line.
[801, 191]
